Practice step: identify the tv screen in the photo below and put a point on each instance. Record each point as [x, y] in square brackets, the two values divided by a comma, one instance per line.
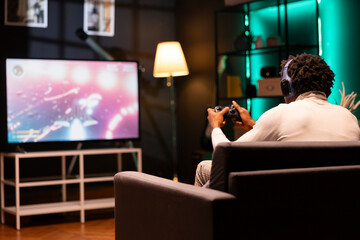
[71, 100]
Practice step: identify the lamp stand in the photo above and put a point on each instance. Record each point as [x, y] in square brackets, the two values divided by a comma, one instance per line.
[170, 84]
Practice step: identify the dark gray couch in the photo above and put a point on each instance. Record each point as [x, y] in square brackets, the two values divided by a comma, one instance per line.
[262, 190]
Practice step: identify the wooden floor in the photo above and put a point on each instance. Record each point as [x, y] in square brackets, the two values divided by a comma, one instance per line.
[90, 230]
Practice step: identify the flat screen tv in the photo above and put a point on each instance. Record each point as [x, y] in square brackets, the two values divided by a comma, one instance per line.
[51, 100]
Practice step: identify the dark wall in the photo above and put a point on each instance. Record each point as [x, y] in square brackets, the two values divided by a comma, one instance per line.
[196, 92]
[139, 26]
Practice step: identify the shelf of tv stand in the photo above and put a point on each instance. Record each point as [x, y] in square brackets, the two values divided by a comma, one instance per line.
[58, 207]
[41, 183]
[57, 182]
[265, 50]
[253, 5]
[65, 206]
[47, 154]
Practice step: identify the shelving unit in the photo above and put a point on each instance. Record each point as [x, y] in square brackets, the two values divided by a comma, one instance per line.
[293, 22]
[264, 50]
[65, 206]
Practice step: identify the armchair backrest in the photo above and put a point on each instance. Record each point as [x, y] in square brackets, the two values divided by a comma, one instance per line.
[250, 156]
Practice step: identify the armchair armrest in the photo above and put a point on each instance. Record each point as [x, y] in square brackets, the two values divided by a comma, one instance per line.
[150, 207]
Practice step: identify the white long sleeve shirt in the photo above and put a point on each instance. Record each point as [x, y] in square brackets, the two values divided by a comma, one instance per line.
[310, 118]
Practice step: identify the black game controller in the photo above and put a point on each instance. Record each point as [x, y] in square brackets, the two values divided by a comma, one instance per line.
[232, 113]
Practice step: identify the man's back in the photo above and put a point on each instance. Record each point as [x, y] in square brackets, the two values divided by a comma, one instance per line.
[309, 118]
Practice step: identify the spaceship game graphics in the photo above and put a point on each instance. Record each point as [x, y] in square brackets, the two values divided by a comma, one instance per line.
[70, 100]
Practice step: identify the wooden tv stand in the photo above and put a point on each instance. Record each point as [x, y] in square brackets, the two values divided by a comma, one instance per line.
[63, 206]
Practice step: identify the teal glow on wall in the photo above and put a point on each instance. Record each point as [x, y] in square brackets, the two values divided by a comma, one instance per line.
[302, 22]
[302, 29]
[340, 41]
[338, 33]
[320, 37]
[263, 23]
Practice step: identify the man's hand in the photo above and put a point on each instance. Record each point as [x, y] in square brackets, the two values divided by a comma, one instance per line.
[247, 121]
[216, 119]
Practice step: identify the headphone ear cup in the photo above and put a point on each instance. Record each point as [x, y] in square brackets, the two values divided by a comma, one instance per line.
[286, 82]
[285, 88]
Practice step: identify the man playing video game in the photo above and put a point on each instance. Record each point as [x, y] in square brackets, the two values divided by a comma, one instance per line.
[307, 115]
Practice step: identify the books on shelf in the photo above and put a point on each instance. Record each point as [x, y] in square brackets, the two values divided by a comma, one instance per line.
[234, 89]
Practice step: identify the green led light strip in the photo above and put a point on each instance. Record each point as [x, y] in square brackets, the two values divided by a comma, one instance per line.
[320, 37]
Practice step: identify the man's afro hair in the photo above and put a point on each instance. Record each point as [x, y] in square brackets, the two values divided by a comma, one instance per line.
[309, 73]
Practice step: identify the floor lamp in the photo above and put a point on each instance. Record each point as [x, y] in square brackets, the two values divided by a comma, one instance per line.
[170, 62]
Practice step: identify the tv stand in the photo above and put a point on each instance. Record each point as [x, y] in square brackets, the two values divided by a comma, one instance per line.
[64, 206]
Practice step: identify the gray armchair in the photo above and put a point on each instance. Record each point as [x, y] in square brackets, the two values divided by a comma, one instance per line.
[296, 191]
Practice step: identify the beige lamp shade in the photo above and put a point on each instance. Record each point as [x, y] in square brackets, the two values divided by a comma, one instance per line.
[170, 60]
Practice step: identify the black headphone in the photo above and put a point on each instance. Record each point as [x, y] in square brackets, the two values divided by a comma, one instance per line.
[286, 84]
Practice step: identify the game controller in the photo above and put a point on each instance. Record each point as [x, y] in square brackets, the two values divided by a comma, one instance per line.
[233, 113]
